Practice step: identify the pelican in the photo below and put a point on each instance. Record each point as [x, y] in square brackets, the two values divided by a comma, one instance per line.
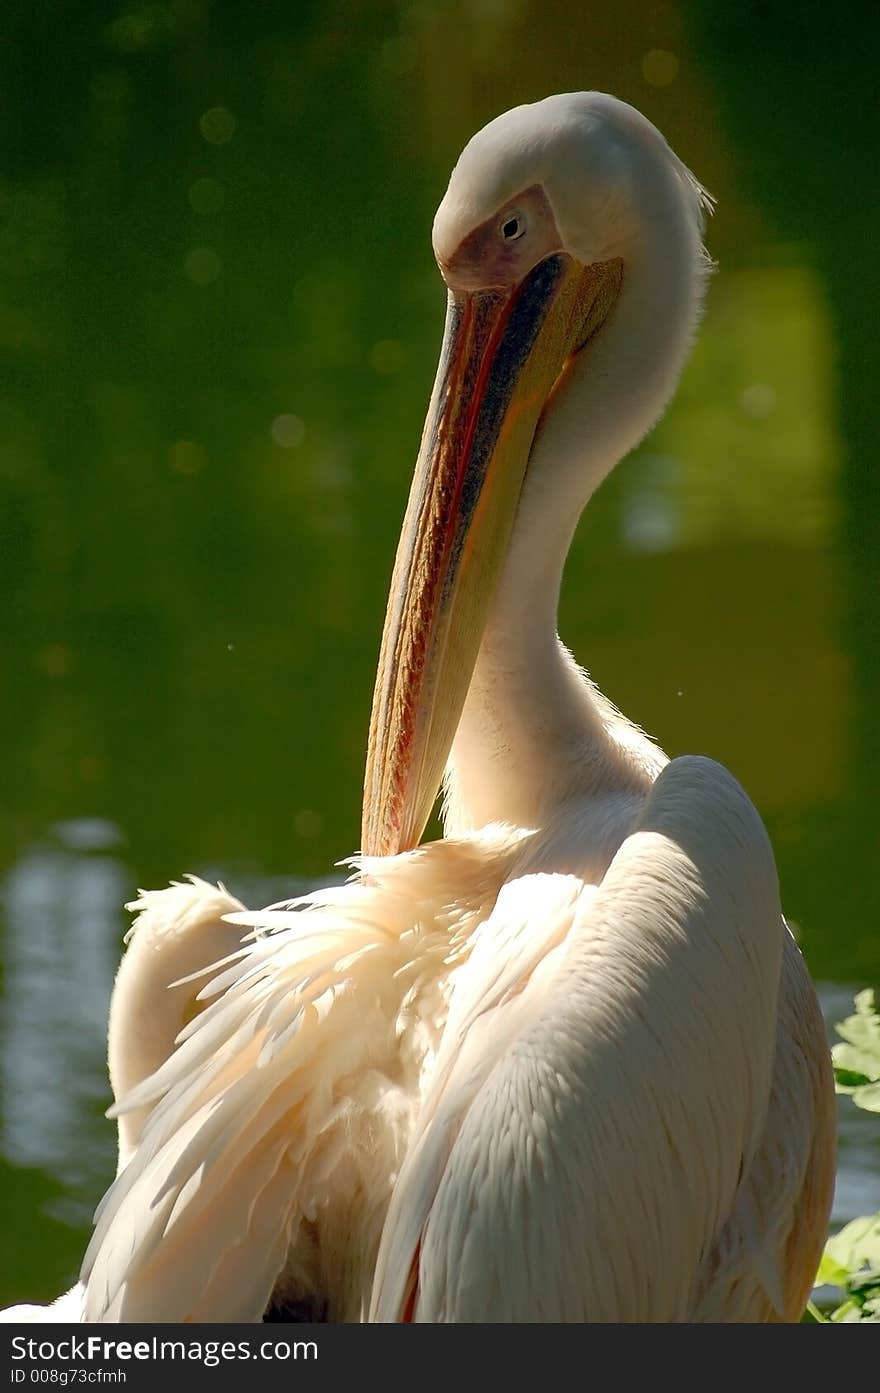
[565, 1063]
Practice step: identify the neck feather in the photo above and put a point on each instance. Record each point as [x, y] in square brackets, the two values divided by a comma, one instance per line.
[534, 730]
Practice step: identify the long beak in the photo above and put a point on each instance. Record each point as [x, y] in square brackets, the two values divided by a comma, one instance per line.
[502, 354]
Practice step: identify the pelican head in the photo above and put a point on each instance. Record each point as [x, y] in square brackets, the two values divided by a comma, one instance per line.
[532, 239]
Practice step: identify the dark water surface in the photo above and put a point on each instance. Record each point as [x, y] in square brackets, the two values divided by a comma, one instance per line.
[218, 322]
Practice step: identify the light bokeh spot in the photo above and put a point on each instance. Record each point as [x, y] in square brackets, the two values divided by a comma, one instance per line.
[217, 125]
[659, 67]
[288, 431]
[202, 265]
[759, 400]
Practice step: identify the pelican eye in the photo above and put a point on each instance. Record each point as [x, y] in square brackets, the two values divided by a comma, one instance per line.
[513, 227]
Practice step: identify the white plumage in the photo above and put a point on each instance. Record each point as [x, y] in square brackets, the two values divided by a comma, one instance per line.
[567, 1063]
[495, 1035]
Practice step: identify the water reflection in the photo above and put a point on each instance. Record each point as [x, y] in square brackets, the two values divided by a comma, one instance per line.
[60, 951]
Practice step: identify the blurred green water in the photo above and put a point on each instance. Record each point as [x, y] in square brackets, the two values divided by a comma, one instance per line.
[218, 321]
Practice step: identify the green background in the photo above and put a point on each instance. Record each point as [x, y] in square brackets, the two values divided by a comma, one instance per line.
[219, 316]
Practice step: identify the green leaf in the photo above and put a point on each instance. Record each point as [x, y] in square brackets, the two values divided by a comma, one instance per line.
[846, 1313]
[852, 1059]
[864, 1004]
[863, 1029]
[867, 1097]
[851, 1261]
[846, 1081]
[865, 1285]
[856, 1246]
[856, 1058]
[831, 1272]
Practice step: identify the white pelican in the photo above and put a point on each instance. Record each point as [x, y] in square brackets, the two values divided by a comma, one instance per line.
[565, 1064]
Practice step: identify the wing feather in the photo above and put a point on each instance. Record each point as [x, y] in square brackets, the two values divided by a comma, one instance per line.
[288, 1099]
[765, 1259]
[584, 1169]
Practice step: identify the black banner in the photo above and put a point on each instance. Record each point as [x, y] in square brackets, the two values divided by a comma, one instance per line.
[289, 1357]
